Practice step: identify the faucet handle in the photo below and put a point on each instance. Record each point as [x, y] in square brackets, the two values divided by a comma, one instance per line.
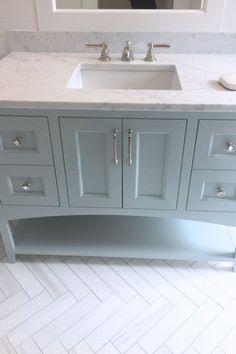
[150, 56]
[127, 54]
[104, 53]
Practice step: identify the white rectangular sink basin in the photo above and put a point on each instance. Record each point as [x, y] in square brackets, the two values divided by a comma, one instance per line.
[124, 77]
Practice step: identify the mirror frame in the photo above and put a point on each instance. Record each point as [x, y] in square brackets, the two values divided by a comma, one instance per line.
[207, 20]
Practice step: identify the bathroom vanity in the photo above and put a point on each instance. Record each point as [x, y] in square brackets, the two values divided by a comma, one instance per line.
[133, 173]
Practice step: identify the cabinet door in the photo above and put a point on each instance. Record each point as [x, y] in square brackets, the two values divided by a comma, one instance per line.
[152, 162]
[90, 148]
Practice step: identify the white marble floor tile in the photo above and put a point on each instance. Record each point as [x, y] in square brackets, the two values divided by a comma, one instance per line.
[217, 330]
[6, 347]
[8, 283]
[13, 303]
[177, 280]
[130, 334]
[67, 277]
[65, 321]
[111, 278]
[45, 276]
[193, 276]
[113, 325]
[228, 343]
[89, 323]
[58, 305]
[89, 277]
[38, 321]
[108, 349]
[56, 348]
[80, 348]
[28, 347]
[136, 349]
[139, 284]
[158, 334]
[22, 313]
[163, 286]
[25, 278]
[193, 327]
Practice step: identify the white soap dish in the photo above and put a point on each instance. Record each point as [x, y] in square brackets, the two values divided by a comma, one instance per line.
[228, 81]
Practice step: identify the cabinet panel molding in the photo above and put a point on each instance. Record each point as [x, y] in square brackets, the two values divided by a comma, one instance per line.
[28, 185]
[212, 191]
[152, 180]
[216, 145]
[25, 140]
[93, 178]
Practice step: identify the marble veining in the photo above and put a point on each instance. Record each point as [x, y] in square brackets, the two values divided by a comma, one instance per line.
[38, 80]
[43, 41]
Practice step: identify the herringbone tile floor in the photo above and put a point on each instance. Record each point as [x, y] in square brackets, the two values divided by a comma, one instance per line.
[57, 305]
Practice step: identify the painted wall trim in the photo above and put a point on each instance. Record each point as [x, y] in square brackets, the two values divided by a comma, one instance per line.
[209, 20]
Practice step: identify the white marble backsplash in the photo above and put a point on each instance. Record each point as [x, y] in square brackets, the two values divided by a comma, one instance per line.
[42, 41]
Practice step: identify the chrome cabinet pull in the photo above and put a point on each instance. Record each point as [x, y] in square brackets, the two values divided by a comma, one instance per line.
[130, 135]
[220, 192]
[115, 158]
[230, 147]
[18, 142]
[26, 187]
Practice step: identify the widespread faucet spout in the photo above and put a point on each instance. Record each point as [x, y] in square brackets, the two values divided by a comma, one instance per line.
[127, 54]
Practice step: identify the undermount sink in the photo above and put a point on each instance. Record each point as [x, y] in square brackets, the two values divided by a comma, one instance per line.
[124, 77]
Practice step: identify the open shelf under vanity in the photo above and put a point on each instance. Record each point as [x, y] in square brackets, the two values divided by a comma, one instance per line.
[124, 236]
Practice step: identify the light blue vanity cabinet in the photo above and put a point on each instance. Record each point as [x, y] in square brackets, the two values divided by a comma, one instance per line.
[115, 183]
[138, 164]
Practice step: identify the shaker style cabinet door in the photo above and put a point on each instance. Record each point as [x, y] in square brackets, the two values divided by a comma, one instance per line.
[92, 154]
[153, 152]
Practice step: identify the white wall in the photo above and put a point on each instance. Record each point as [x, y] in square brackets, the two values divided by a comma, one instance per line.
[229, 23]
[16, 14]
[21, 14]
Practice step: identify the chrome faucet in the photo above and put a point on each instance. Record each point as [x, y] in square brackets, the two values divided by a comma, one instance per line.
[127, 54]
[104, 53]
[150, 56]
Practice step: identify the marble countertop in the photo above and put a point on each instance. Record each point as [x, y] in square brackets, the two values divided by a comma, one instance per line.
[38, 80]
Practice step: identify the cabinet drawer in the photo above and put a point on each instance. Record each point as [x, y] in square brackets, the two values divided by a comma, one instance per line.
[28, 185]
[216, 145]
[25, 140]
[212, 191]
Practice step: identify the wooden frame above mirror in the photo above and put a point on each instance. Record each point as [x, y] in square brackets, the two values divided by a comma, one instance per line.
[208, 20]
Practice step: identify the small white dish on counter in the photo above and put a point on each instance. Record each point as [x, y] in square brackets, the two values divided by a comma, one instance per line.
[228, 81]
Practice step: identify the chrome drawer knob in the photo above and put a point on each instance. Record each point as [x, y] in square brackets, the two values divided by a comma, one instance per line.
[26, 187]
[230, 147]
[18, 142]
[220, 192]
